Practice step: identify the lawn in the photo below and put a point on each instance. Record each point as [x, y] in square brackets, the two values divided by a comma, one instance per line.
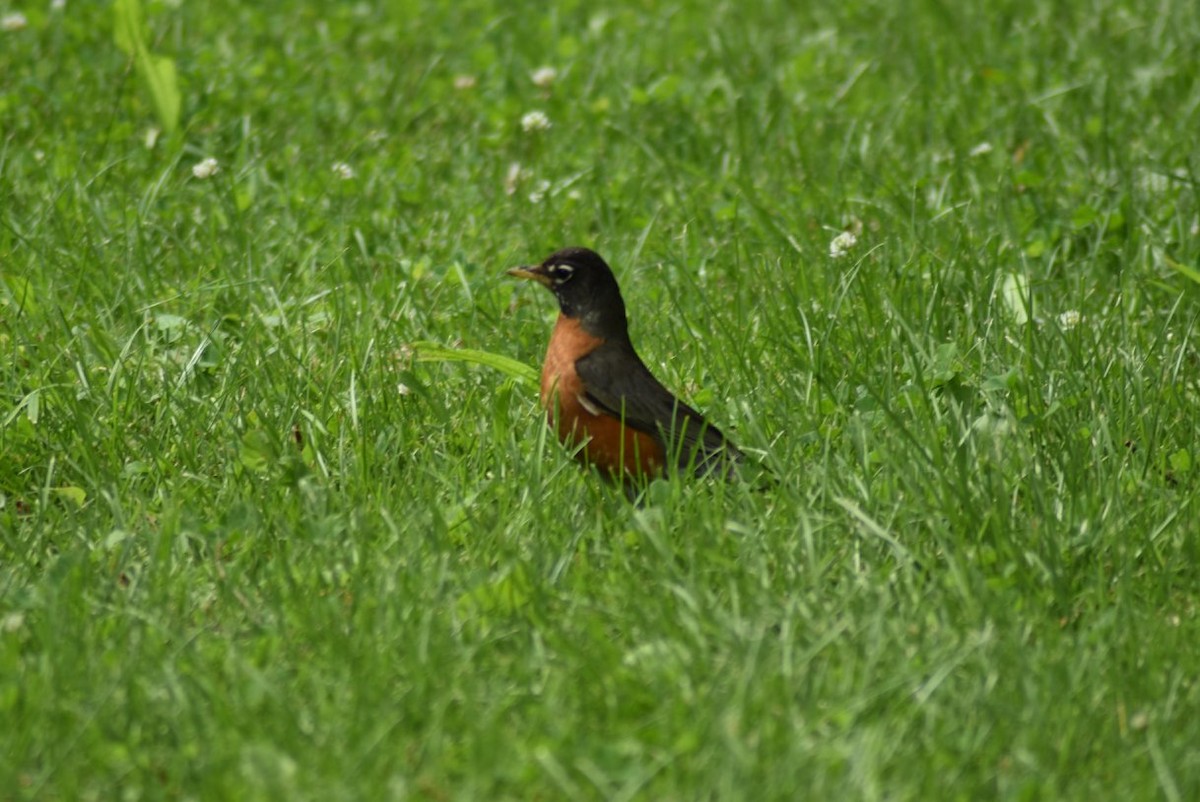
[269, 529]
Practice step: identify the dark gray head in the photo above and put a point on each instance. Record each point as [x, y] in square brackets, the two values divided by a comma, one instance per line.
[585, 288]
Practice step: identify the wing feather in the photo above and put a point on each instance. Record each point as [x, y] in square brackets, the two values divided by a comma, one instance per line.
[625, 388]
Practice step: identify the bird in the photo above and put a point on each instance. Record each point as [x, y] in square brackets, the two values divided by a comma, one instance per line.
[600, 399]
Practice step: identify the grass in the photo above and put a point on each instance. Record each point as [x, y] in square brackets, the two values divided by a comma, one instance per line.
[253, 546]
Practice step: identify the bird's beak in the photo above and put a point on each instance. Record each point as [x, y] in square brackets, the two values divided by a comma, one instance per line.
[532, 273]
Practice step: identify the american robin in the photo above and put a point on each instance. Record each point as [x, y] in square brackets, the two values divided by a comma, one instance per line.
[599, 394]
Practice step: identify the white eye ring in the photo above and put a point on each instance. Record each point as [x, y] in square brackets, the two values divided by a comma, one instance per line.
[562, 272]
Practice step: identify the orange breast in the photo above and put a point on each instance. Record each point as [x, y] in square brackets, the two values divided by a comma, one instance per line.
[614, 448]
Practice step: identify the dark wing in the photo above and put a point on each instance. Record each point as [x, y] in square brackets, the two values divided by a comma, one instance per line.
[616, 380]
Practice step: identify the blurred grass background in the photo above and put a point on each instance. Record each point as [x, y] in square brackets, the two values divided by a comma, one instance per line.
[251, 546]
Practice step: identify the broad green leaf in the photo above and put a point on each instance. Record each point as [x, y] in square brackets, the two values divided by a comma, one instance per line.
[33, 406]
[75, 495]
[258, 451]
[159, 73]
[1184, 270]
[21, 293]
[944, 364]
[115, 538]
[999, 382]
[127, 26]
[1030, 179]
[665, 88]
[1084, 216]
[165, 321]
[502, 595]
[30, 403]
[432, 352]
[1015, 294]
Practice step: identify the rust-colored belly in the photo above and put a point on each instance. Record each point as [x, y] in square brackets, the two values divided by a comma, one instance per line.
[617, 450]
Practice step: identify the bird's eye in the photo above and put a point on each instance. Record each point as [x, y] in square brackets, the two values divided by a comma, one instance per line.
[561, 273]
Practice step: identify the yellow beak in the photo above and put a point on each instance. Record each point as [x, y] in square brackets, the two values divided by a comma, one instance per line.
[531, 273]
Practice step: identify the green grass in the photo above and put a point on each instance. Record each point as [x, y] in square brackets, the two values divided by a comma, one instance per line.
[253, 546]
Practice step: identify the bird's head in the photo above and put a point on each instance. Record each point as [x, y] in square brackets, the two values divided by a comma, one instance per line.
[585, 288]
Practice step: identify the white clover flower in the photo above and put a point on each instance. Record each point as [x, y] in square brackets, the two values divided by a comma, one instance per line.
[464, 82]
[841, 244]
[342, 170]
[1154, 183]
[982, 149]
[1070, 319]
[206, 168]
[544, 77]
[403, 389]
[539, 191]
[13, 22]
[535, 121]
